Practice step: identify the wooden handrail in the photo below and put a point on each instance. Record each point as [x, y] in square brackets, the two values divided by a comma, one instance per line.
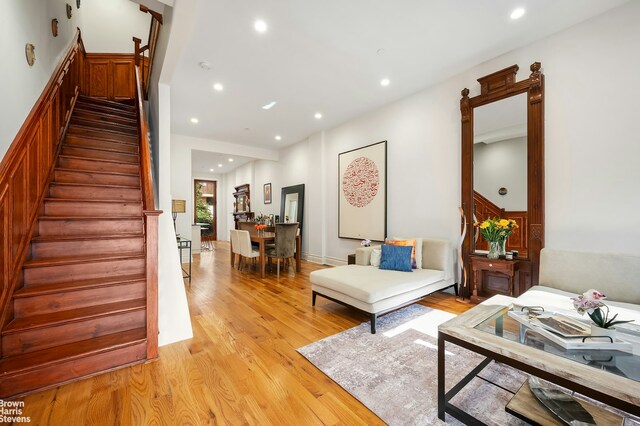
[150, 223]
[145, 155]
[146, 63]
[27, 168]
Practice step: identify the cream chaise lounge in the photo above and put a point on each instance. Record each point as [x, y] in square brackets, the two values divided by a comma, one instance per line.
[377, 291]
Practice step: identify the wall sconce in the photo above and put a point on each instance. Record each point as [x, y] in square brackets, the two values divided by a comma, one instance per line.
[177, 206]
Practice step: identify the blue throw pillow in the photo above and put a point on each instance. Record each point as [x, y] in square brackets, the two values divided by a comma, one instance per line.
[396, 258]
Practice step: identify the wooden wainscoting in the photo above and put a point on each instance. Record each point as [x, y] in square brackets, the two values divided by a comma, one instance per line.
[26, 168]
[110, 76]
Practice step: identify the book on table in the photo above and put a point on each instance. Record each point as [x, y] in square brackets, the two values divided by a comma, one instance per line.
[567, 332]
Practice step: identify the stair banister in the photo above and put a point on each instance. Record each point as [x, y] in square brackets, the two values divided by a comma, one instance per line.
[151, 223]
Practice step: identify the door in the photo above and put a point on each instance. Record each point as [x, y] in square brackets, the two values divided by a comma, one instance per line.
[204, 208]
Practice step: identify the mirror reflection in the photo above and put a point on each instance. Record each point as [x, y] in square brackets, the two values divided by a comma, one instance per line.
[500, 167]
[291, 208]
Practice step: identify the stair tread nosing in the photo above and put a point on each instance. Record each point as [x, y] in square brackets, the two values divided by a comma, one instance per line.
[69, 144]
[68, 286]
[128, 134]
[93, 237]
[73, 315]
[99, 185]
[103, 172]
[90, 218]
[57, 261]
[83, 348]
[86, 121]
[91, 100]
[98, 138]
[92, 200]
[100, 160]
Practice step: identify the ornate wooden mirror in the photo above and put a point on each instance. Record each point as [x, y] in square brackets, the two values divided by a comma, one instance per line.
[503, 169]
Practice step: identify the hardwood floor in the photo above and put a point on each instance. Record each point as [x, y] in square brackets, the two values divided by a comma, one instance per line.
[241, 367]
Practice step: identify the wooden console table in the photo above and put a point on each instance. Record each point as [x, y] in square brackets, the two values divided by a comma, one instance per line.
[492, 277]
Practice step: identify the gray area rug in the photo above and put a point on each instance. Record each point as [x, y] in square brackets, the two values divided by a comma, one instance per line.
[394, 373]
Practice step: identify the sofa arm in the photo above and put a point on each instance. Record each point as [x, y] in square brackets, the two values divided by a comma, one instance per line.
[363, 255]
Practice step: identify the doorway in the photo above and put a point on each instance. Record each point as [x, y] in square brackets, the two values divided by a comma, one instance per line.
[205, 208]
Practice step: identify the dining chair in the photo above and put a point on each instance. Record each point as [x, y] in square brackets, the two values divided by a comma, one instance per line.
[246, 250]
[285, 247]
[235, 245]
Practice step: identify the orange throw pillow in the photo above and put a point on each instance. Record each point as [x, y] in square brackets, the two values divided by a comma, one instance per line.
[406, 243]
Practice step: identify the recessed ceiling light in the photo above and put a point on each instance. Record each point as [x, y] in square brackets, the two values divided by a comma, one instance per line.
[269, 105]
[194, 120]
[210, 170]
[517, 13]
[260, 26]
[385, 82]
[318, 116]
[278, 137]
[218, 87]
[231, 160]
[219, 165]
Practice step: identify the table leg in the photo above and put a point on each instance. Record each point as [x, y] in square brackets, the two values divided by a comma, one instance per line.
[262, 258]
[441, 400]
[233, 256]
[298, 254]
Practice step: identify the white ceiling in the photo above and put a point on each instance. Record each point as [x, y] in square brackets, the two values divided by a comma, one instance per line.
[203, 162]
[321, 55]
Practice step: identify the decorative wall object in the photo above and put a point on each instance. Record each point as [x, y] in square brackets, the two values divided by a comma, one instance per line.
[54, 27]
[77, 4]
[362, 193]
[267, 193]
[30, 51]
[69, 11]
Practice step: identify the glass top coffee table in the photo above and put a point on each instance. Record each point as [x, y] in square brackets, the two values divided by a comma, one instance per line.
[612, 377]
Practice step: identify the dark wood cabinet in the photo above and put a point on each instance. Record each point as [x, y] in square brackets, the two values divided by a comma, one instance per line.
[494, 276]
[242, 205]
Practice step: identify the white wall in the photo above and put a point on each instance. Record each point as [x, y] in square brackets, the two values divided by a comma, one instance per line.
[109, 26]
[23, 22]
[502, 164]
[592, 147]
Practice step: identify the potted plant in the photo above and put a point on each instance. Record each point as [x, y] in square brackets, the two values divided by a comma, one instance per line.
[496, 231]
[591, 302]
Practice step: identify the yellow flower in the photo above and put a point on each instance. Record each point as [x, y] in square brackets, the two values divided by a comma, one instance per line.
[484, 224]
[503, 223]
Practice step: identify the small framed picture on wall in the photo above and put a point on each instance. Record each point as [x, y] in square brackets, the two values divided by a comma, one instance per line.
[267, 193]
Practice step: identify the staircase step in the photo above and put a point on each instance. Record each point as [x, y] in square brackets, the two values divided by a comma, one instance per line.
[55, 297]
[104, 125]
[100, 165]
[103, 178]
[87, 100]
[75, 129]
[42, 271]
[39, 332]
[129, 119]
[102, 144]
[82, 225]
[100, 154]
[94, 192]
[51, 367]
[86, 245]
[88, 207]
[100, 109]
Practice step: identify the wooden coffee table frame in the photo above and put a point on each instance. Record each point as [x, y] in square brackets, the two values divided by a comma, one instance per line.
[613, 390]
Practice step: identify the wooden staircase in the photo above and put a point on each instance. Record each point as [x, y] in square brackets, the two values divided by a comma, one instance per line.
[81, 307]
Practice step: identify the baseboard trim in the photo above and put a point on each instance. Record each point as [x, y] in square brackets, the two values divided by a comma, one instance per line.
[331, 261]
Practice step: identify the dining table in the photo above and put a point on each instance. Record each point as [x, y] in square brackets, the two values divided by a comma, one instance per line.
[268, 238]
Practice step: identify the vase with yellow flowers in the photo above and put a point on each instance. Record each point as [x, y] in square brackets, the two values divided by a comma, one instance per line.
[496, 231]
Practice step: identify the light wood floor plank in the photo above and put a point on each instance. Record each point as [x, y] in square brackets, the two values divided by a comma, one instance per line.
[241, 367]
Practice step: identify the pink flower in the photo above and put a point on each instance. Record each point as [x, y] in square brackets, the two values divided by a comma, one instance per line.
[589, 301]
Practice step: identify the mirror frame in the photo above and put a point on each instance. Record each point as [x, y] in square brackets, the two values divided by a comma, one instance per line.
[295, 189]
[495, 87]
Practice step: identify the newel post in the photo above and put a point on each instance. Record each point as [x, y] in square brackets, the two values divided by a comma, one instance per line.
[151, 249]
[136, 50]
